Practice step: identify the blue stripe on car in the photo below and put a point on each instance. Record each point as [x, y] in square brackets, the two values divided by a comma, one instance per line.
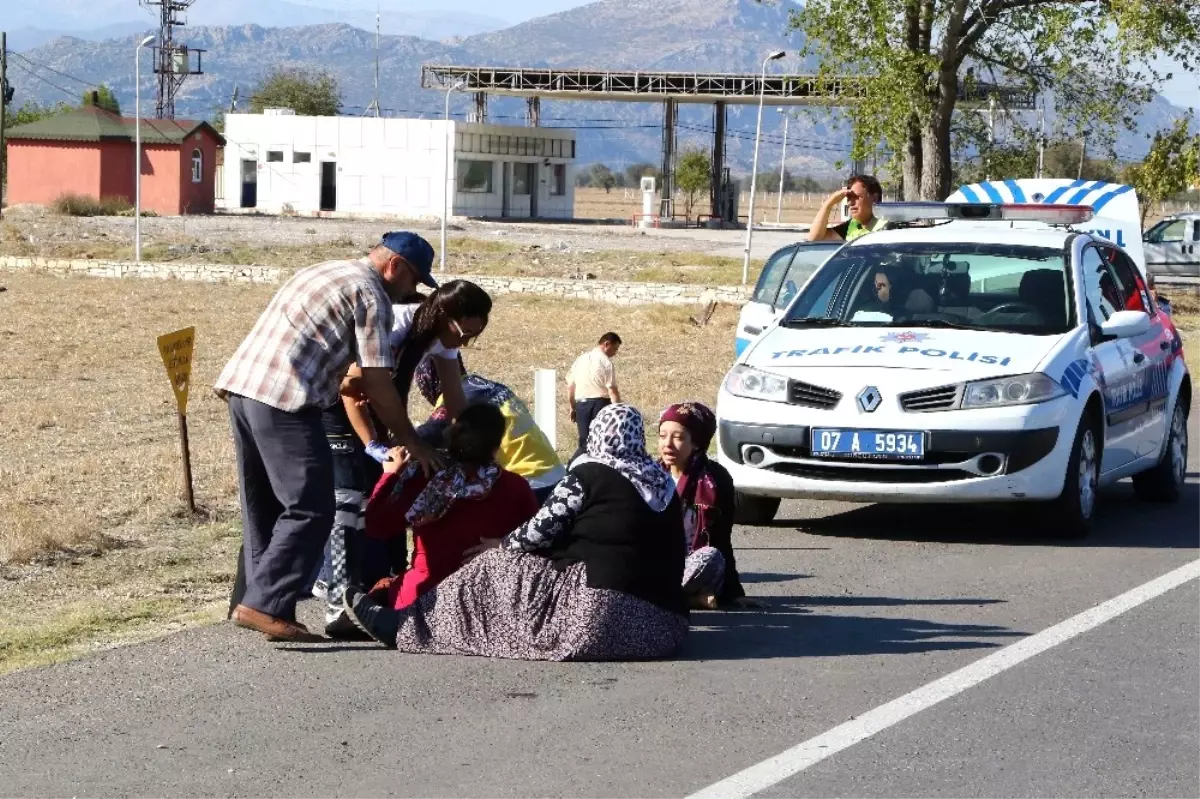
[1018, 193]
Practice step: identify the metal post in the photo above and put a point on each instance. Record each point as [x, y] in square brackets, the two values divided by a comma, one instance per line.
[782, 169]
[533, 112]
[137, 149]
[1082, 156]
[666, 208]
[762, 88]
[991, 135]
[1041, 142]
[3, 107]
[446, 168]
[716, 182]
[187, 463]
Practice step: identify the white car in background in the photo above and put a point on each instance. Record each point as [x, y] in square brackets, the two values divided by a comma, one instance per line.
[1021, 358]
[1173, 245]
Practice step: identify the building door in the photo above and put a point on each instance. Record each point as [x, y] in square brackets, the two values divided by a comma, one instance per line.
[328, 185]
[505, 189]
[249, 183]
[534, 190]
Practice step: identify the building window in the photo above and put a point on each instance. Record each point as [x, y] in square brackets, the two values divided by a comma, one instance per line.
[274, 156]
[475, 177]
[197, 166]
[558, 180]
[301, 158]
[523, 179]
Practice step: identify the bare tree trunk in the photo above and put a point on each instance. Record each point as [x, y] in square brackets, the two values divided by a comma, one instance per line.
[913, 161]
[935, 139]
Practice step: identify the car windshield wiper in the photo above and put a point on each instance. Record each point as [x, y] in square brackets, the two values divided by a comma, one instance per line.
[813, 321]
[938, 323]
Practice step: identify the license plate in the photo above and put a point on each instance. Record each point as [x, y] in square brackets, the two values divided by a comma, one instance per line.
[901, 444]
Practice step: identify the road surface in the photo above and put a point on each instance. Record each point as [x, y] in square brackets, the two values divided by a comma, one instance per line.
[868, 605]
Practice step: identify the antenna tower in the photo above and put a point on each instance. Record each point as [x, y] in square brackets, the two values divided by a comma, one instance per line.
[173, 62]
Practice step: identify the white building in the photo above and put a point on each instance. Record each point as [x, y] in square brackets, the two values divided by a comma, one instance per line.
[278, 162]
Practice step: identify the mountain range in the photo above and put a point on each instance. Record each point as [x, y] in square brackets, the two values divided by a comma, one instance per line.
[713, 35]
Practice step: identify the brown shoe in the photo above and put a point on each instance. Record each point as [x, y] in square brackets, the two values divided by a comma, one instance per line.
[275, 629]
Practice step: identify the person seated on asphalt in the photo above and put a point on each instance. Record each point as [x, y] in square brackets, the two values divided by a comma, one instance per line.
[596, 574]
[525, 450]
[471, 499]
[705, 489]
[862, 192]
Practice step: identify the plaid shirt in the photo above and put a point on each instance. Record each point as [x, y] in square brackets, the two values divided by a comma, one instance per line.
[322, 320]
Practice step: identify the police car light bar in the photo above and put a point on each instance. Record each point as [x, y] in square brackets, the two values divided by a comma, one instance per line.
[997, 212]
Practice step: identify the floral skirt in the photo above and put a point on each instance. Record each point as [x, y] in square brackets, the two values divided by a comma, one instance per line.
[518, 606]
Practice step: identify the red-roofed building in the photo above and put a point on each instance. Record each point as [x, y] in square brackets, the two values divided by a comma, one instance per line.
[90, 151]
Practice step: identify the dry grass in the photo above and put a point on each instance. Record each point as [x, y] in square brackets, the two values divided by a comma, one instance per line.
[464, 256]
[94, 543]
[624, 203]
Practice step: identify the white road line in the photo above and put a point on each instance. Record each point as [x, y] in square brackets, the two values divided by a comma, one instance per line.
[786, 764]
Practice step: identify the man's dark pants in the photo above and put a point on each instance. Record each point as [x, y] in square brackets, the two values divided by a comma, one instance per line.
[585, 412]
[285, 473]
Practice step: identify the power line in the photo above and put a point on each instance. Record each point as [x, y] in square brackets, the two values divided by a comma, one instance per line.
[36, 65]
[27, 71]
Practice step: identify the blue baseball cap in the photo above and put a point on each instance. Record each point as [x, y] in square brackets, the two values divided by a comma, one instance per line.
[415, 250]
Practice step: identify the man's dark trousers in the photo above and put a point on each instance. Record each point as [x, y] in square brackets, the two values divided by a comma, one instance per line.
[585, 412]
[285, 474]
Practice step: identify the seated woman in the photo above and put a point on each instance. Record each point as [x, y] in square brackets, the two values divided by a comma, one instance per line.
[710, 576]
[596, 575]
[450, 512]
[525, 450]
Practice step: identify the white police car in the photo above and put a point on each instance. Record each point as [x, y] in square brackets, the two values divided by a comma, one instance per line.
[1002, 352]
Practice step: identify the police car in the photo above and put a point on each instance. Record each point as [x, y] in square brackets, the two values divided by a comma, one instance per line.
[990, 348]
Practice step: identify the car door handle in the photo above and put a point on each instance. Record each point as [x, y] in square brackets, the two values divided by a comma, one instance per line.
[1138, 357]
[754, 331]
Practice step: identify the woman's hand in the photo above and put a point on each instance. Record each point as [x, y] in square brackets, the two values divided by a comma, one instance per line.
[352, 388]
[483, 546]
[398, 458]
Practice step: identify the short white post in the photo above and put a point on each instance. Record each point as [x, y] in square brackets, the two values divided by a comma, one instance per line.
[545, 403]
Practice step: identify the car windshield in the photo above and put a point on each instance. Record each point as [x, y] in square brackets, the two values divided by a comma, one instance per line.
[1001, 287]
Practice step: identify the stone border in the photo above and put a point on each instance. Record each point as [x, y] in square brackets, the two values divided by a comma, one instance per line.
[617, 293]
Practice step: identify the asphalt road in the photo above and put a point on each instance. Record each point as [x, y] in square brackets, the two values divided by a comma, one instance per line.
[867, 603]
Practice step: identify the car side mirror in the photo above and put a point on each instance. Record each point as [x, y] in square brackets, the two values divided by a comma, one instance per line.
[1126, 324]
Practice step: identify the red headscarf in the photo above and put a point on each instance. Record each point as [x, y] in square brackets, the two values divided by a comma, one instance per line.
[695, 486]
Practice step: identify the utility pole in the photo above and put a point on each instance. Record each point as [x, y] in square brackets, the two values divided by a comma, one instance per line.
[1082, 155]
[3, 108]
[1041, 165]
[374, 106]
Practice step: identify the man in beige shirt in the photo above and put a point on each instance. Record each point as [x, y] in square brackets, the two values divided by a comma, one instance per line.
[592, 384]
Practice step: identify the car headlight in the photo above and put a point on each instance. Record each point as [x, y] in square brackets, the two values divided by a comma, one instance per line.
[1016, 390]
[743, 381]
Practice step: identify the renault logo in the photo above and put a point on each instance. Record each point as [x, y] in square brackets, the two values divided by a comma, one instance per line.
[869, 399]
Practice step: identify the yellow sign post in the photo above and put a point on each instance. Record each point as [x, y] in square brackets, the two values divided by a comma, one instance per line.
[176, 351]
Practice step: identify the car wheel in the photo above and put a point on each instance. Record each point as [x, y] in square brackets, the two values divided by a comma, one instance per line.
[752, 510]
[1164, 482]
[1071, 514]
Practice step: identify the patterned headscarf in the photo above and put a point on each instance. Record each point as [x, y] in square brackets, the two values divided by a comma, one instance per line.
[617, 438]
[444, 489]
[477, 389]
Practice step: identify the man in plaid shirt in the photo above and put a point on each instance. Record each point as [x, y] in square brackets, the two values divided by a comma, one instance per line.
[287, 370]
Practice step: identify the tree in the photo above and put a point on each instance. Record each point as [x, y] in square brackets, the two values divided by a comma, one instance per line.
[308, 92]
[693, 177]
[603, 177]
[1019, 160]
[921, 58]
[1171, 167]
[102, 97]
[636, 172]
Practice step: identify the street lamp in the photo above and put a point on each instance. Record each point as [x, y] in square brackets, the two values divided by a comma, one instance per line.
[782, 166]
[137, 149]
[446, 171]
[762, 87]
